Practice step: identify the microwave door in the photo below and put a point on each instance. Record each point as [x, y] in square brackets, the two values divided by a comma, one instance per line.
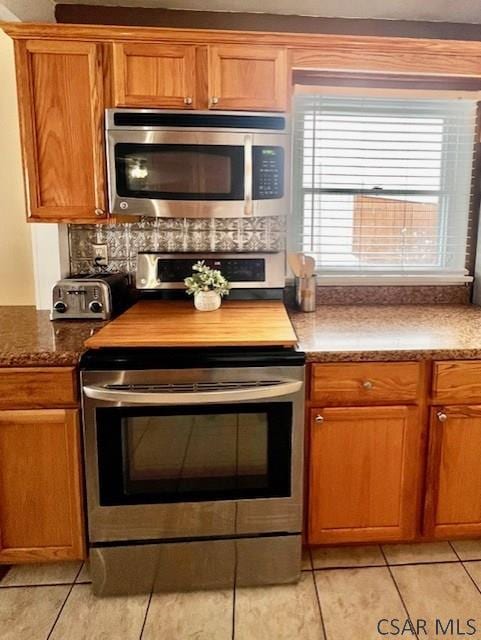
[187, 174]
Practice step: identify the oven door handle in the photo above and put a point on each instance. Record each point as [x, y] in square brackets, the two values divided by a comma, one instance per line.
[202, 397]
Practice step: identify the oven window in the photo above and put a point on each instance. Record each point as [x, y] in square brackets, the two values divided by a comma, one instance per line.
[217, 452]
[180, 171]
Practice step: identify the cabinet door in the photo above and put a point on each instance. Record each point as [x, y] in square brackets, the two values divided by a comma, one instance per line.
[154, 75]
[453, 491]
[364, 470]
[61, 106]
[244, 77]
[40, 486]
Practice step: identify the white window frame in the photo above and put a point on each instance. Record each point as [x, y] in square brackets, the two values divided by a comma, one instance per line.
[337, 275]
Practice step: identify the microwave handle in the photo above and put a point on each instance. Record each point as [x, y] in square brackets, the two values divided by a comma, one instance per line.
[171, 398]
[248, 175]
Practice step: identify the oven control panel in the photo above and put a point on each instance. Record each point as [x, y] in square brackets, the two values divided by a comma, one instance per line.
[234, 269]
[243, 270]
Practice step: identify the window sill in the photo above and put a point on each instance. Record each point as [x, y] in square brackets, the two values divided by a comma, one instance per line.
[339, 280]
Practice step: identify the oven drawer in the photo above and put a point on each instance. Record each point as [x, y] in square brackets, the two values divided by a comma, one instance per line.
[365, 383]
[193, 565]
[38, 388]
[457, 382]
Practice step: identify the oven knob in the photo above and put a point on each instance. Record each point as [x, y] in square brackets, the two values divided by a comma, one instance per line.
[96, 307]
[124, 205]
[60, 306]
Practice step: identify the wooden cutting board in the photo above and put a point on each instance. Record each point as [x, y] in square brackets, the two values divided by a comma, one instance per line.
[167, 323]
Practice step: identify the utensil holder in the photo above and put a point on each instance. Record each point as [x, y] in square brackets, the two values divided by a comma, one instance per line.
[306, 293]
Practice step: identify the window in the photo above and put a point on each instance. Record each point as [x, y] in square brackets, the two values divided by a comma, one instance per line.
[384, 186]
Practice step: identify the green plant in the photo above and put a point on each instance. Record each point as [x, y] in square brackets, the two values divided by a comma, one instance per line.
[205, 278]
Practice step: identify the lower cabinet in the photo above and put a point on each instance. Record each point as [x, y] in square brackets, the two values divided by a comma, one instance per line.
[453, 499]
[40, 486]
[364, 474]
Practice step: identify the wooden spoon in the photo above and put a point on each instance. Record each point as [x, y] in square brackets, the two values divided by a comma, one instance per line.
[309, 266]
[295, 263]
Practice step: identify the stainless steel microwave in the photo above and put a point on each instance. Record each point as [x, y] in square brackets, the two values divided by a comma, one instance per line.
[197, 164]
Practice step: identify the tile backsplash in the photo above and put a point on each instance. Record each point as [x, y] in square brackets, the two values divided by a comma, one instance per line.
[125, 240]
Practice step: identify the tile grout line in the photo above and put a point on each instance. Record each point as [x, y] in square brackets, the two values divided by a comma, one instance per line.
[392, 564]
[64, 602]
[39, 586]
[462, 564]
[146, 614]
[396, 586]
[234, 589]
[318, 598]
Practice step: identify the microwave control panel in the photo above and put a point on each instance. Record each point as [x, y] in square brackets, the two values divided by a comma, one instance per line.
[268, 172]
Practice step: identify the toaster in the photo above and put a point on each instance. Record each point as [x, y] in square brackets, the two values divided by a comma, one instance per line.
[91, 297]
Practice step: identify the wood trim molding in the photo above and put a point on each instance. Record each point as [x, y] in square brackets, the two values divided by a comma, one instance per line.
[305, 51]
[385, 56]
[205, 36]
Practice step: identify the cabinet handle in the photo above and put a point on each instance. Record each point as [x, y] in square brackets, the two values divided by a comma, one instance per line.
[214, 100]
[188, 100]
[442, 417]
[368, 385]
[100, 213]
[248, 175]
[319, 419]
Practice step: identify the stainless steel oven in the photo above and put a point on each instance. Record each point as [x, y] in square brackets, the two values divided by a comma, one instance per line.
[202, 164]
[193, 467]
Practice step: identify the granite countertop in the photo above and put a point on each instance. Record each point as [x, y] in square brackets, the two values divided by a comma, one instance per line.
[29, 339]
[355, 333]
[337, 333]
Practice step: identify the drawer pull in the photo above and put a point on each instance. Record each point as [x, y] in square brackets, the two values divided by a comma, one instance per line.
[368, 385]
[442, 417]
[188, 100]
[319, 419]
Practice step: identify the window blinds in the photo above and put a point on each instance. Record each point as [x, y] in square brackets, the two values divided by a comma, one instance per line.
[384, 186]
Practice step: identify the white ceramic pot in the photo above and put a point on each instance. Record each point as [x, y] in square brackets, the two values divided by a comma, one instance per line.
[207, 300]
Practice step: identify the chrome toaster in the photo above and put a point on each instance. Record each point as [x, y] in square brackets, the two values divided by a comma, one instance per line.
[92, 297]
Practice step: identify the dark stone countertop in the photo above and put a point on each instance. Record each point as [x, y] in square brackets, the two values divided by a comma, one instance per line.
[29, 339]
[356, 333]
[334, 333]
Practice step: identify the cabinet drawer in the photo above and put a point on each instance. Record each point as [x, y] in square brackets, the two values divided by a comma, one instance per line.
[457, 382]
[34, 388]
[365, 383]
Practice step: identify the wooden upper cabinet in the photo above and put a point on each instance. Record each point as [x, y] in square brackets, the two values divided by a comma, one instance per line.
[60, 91]
[154, 75]
[364, 474]
[453, 500]
[247, 77]
[40, 486]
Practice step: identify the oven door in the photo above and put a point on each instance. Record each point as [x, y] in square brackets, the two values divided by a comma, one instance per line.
[194, 173]
[193, 459]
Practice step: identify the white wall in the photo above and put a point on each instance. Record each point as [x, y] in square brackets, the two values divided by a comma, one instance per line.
[28, 10]
[16, 265]
[32, 256]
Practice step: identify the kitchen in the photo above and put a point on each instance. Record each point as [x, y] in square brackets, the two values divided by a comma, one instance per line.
[294, 451]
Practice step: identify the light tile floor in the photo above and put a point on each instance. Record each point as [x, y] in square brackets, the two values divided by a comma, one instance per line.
[343, 594]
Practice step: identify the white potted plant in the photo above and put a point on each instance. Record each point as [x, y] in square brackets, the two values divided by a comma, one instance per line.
[207, 285]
